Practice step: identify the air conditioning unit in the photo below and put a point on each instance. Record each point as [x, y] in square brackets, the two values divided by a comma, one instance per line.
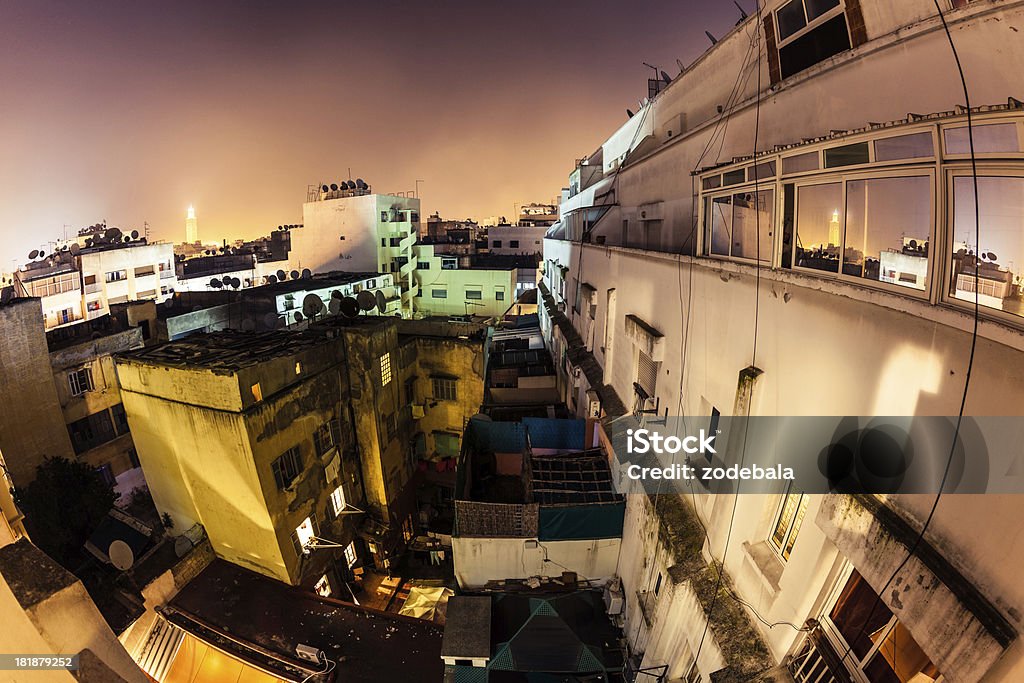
[613, 599]
[593, 404]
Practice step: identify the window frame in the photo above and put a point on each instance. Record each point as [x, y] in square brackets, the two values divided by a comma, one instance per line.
[808, 25]
[960, 170]
[386, 373]
[762, 187]
[75, 378]
[294, 455]
[843, 178]
[444, 383]
[794, 526]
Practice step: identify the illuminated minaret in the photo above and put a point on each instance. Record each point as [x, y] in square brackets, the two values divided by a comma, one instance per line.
[191, 226]
[833, 229]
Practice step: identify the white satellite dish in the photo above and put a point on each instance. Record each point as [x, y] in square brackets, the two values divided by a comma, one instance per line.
[182, 544]
[121, 555]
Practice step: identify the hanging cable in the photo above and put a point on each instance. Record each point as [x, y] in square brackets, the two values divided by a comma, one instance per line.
[919, 538]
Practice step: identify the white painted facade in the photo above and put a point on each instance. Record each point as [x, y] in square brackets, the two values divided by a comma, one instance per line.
[828, 344]
[516, 239]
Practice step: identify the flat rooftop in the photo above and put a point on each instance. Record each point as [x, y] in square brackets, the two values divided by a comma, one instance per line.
[260, 620]
[229, 349]
[583, 477]
[318, 281]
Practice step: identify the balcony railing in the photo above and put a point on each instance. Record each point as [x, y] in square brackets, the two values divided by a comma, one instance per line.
[817, 661]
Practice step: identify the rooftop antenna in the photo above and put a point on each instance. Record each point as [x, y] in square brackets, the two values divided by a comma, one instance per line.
[651, 66]
[630, 113]
[681, 67]
[743, 13]
[711, 37]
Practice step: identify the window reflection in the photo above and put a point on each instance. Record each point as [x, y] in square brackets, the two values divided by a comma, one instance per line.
[819, 226]
[888, 221]
[990, 139]
[733, 221]
[994, 270]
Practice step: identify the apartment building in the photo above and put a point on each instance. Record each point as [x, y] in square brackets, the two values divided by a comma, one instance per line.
[773, 234]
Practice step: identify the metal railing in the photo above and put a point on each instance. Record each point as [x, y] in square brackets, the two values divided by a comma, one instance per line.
[817, 661]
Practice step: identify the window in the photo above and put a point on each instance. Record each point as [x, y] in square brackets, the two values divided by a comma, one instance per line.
[657, 584]
[647, 374]
[338, 500]
[847, 155]
[408, 530]
[787, 524]
[120, 419]
[499, 295]
[496, 244]
[423, 265]
[733, 222]
[287, 467]
[385, 369]
[888, 223]
[143, 271]
[323, 438]
[880, 647]
[819, 226]
[474, 294]
[989, 139]
[439, 294]
[810, 31]
[383, 219]
[513, 244]
[80, 381]
[116, 275]
[800, 163]
[91, 431]
[992, 273]
[734, 177]
[396, 241]
[304, 533]
[445, 388]
[390, 426]
[911, 146]
[323, 587]
[350, 555]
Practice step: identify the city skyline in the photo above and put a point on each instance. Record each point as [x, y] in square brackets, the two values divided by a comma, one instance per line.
[130, 114]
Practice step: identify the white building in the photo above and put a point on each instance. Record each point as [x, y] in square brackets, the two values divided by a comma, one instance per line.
[516, 239]
[81, 282]
[685, 271]
[191, 226]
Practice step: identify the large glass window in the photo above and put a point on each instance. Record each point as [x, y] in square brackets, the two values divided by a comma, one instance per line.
[990, 139]
[888, 223]
[733, 221]
[912, 146]
[992, 270]
[819, 226]
[880, 648]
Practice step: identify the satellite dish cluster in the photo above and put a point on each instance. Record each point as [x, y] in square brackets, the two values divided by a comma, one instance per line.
[344, 188]
[339, 304]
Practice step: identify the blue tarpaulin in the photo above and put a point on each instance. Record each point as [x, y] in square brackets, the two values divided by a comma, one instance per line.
[566, 435]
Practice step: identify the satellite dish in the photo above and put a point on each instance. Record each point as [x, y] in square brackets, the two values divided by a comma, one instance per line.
[366, 300]
[334, 187]
[298, 317]
[64, 248]
[324, 188]
[121, 555]
[182, 546]
[112, 234]
[32, 255]
[75, 249]
[665, 77]
[382, 302]
[271, 321]
[216, 284]
[312, 305]
[360, 184]
[336, 294]
[271, 279]
[334, 306]
[349, 307]
[294, 275]
[135, 234]
[306, 273]
[281, 275]
[992, 257]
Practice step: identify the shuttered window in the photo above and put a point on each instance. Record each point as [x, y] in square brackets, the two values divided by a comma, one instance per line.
[647, 373]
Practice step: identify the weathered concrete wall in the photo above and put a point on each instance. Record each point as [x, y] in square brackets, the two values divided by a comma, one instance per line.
[479, 560]
[31, 423]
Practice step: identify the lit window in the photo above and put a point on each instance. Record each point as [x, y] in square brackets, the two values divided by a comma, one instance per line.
[338, 500]
[304, 533]
[991, 273]
[350, 555]
[287, 467]
[385, 369]
[445, 389]
[819, 226]
[323, 587]
[787, 524]
[875, 643]
[80, 381]
[323, 438]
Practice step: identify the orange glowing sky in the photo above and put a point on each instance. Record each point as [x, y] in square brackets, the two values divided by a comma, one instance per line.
[130, 111]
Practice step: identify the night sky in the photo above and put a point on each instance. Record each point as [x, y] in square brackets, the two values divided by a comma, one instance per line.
[130, 111]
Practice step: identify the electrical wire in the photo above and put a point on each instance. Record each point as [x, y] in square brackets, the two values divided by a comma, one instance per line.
[329, 666]
[743, 450]
[974, 336]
